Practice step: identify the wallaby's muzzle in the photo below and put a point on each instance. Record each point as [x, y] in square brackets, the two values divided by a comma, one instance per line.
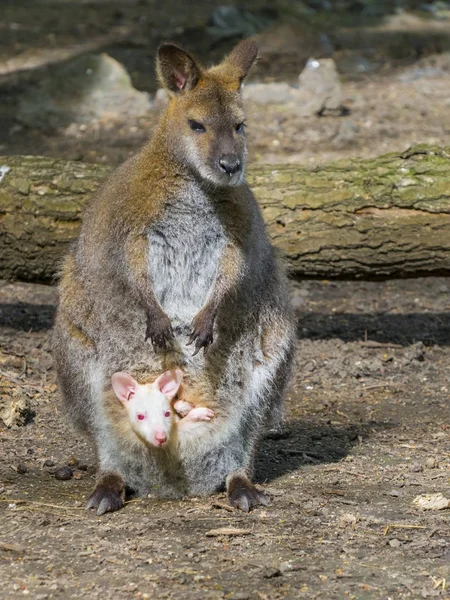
[230, 164]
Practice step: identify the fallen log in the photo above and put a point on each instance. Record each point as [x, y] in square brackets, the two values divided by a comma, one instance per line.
[376, 218]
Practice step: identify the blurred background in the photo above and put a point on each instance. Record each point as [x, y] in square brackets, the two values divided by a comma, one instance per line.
[334, 78]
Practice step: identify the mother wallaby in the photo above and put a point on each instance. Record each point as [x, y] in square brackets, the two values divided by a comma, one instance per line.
[173, 252]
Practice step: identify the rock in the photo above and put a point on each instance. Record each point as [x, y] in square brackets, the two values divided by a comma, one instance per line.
[22, 469]
[431, 462]
[87, 89]
[416, 468]
[16, 410]
[269, 93]
[286, 567]
[319, 87]
[432, 501]
[271, 572]
[72, 461]
[415, 352]
[395, 543]
[64, 473]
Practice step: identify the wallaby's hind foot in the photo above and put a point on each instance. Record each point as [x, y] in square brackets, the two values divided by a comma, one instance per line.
[243, 494]
[108, 495]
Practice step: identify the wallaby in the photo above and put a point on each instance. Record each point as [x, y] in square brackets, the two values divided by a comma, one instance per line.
[151, 413]
[172, 252]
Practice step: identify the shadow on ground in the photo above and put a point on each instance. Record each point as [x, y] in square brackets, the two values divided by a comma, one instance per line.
[404, 329]
[307, 442]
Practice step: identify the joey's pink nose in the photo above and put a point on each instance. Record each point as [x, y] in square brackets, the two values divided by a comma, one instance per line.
[160, 438]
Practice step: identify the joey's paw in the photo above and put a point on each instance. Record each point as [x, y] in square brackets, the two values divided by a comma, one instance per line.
[159, 331]
[182, 407]
[202, 333]
[200, 413]
[244, 495]
[108, 495]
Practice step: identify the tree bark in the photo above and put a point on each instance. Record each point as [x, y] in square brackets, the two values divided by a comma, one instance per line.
[377, 218]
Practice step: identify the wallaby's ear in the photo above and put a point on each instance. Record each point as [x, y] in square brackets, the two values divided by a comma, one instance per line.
[124, 386]
[169, 382]
[177, 70]
[242, 57]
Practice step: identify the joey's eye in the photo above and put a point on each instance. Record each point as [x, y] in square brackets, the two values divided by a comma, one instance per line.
[140, 417]
[240, 128]
[167, 413]
[196, 126]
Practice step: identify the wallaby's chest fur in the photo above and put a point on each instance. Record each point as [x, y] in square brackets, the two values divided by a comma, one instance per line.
[184, 249]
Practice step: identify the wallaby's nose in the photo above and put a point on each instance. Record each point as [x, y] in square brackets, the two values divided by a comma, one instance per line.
[230, 163]
[160, 438]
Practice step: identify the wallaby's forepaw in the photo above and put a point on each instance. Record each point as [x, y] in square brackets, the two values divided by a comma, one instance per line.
[159, 331]
[201, 413]
[202, 333]
[244, 495]
[108, 495]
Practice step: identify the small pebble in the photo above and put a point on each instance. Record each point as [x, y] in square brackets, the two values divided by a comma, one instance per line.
[73, 461]
[83, 467]
[431, 462]
[416, 468]
[240, 596]
[271, 572]
[395, 543]
[285, 567]
[64, 473]
[22, 469]
[48, 462]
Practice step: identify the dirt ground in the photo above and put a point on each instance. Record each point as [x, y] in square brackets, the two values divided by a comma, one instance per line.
[367, 430]
[367, 415]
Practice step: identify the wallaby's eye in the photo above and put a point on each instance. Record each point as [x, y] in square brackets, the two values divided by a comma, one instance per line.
[240, 128]
[167, 413]
[196, 126]
[140, 417]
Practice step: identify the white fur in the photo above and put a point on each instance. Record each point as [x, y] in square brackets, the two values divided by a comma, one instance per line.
[148, 405]
[184, 250]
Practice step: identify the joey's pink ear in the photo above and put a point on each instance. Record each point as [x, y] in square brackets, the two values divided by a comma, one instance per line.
[169, 382]
[124, 386]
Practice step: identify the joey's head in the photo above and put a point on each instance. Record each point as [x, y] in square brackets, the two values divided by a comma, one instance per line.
[149, 405]
[205, 121]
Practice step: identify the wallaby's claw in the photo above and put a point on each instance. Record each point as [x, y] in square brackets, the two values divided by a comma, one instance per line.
[202, 333]
[159, 332]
